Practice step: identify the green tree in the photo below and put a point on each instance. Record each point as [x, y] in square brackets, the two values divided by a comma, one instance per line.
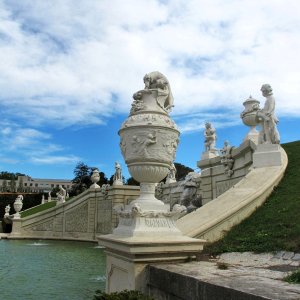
[132, 181]
[181, 171]
[82, 179]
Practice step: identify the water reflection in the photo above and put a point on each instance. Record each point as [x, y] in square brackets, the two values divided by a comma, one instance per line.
[50, 269]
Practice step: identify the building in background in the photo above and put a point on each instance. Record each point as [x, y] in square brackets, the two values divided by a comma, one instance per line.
[33, 185]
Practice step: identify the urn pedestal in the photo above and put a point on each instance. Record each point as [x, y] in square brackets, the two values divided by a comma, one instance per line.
[146, 232]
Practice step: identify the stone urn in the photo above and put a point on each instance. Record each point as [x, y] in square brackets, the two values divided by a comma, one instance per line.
[249, 118]
[149, 138]
[95, 178]
[18, 204]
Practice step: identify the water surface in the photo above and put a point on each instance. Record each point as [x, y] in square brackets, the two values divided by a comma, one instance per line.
[54, 270]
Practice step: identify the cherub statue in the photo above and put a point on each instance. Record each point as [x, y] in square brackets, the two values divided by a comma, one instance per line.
[269, 133]
[118, 180]
[210, 137]
[61, 195]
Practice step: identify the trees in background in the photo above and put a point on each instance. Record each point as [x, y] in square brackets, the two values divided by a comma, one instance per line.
[82, 179]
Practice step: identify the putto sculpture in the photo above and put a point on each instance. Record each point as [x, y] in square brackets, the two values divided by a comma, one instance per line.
[210, 137]
[253, 115]
[172, 174]
[267, 118]
[61, 195]
[7, 210]
[158, 83]
[118, 180]
[226, 159]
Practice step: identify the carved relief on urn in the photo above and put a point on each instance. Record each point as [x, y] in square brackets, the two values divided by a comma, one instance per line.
[149, 138]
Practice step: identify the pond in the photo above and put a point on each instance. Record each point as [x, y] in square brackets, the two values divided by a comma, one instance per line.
[56, 270]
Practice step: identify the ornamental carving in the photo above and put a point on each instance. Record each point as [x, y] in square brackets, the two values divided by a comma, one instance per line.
[42, 226]
[77, 219]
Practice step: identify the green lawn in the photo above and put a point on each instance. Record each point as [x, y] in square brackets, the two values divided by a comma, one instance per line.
[276, 224]
[37, 209]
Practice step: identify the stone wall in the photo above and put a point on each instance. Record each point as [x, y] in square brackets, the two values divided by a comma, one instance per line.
[213, 181]
[81, 218]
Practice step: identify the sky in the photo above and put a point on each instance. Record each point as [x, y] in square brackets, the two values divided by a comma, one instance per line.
[69, 69]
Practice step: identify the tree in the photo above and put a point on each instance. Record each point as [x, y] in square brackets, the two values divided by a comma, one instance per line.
[132, 181]
[82, 179]
[181, 171]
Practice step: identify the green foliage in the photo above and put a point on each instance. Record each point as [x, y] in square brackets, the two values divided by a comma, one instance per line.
[123, 295]
[38, 209]
[10, 176]
[293, 277]
[29, 201]
[182, 171]
[82, 179]
[275, 225]
[132, 181]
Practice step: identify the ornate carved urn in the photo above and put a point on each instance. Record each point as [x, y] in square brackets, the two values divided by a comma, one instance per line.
[149, 137]
[18, 204]
[95, 178]
[249, 117]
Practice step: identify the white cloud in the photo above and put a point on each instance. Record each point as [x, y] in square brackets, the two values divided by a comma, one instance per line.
[31, 145]
[71, 159]
[80, 62]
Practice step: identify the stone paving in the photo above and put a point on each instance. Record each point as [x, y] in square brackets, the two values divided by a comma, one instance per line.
[242, 276]
[264, 260]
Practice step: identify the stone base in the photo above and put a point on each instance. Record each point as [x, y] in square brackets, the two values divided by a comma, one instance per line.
[127, 258]
[117, 182]
[267, 155]
[209, 154]
[16, 227]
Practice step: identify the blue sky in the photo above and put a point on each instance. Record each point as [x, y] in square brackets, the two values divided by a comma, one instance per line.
[69, 69]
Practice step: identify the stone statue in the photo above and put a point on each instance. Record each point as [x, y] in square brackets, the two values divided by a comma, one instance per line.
[227, 159]
[7, 210]
[61, 195]
[49, 196]
[268, 120]
[154, 81]
[189, 196]
[43, 199]
[172, 174]
[118, 180]
[210, 137]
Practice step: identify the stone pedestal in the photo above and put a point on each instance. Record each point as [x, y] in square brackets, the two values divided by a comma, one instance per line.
[209, 154]
[16, 227]
[127, 257]
[267, 155]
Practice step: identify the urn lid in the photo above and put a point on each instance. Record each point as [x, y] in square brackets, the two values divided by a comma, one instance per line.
[251, 100]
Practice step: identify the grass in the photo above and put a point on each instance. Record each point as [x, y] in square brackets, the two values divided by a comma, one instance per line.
[276, 224]
[37, 209]
[293, 277]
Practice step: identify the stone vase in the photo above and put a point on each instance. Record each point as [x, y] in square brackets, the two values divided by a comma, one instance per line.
[95, 178]
[18, 204]
[149, 140]
[249, 118]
